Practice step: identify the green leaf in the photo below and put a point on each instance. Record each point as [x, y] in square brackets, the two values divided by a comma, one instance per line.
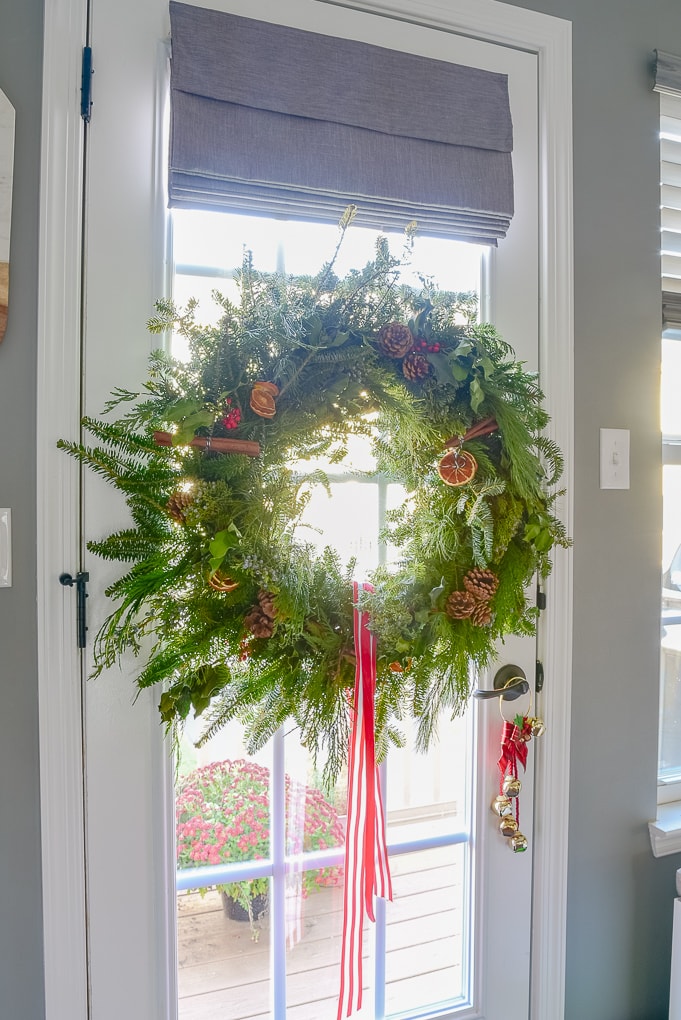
[487, 366]
[435, 593]
[182, 409]
[543, 541]
[443, 368]
[188, 426]
[316, 328]
[339, 339]
[219, 546]
[460, 371]
[477, 395]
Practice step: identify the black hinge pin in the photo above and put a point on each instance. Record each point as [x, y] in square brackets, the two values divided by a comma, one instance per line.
[86, 85]
[80, 580]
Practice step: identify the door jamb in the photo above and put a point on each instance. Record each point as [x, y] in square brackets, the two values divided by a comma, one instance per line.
[57, 541]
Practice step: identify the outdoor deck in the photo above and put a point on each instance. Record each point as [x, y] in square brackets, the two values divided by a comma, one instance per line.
[224, 973]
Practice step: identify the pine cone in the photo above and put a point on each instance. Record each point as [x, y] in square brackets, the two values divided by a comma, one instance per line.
[482, 584]
[460, 605]
[415, 366]
[395, 339]
[259, 625]
[178, 504]
[482, 614]
[266, 600]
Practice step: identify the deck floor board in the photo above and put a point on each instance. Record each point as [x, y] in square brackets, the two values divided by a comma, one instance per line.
[223, 973]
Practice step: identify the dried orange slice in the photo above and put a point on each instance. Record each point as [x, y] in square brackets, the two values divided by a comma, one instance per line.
[267, 387]
[262, 402]
[457, 467]
[220, 582]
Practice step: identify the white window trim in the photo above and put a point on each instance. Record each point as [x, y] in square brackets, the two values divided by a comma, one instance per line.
[58, 385]
[665, 830]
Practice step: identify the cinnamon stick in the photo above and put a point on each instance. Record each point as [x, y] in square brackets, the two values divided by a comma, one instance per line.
[248, 447]
[483, 428]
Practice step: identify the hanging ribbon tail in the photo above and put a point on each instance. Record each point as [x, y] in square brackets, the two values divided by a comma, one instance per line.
[367, 871]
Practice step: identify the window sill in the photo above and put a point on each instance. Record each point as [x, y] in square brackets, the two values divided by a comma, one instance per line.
[665, 831]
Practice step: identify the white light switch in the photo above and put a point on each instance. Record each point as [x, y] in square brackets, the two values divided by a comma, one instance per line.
[5, 547]
[614, 458]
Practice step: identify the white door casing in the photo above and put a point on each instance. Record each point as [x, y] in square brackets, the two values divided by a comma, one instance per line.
[116, 866]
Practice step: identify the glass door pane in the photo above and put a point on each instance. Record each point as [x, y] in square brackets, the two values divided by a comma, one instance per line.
[415, 954]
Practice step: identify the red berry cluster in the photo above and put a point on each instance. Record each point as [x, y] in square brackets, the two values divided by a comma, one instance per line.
[233, 417]
[422, 345]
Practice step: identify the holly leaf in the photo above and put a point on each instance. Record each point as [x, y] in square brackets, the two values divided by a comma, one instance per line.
[443, 368]
[339, 339]
[435, 593]
[182, 409]
[221, 544]
[477, 395]
[188, 426]
[459, 371]
[315, 328]
[543, 541]
[487, 366]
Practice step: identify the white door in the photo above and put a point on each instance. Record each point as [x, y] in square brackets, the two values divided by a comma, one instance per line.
[128, 807]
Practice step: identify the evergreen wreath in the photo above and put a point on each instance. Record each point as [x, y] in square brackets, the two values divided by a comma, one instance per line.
[244, 619]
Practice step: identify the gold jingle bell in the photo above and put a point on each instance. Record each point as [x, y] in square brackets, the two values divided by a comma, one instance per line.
[519, 843]
[538, 727]
[501, 805]
[511, 786]
[508, 826]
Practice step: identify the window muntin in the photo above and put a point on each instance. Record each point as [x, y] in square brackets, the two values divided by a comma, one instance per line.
[428, 797]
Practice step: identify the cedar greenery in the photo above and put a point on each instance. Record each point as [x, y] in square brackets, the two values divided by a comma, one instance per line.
[317, 339]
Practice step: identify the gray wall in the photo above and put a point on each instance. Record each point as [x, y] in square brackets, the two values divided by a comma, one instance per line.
[21, 987]
[620, 899]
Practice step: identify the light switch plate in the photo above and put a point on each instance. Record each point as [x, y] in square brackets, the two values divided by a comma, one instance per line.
[5, 547]
[614, 458]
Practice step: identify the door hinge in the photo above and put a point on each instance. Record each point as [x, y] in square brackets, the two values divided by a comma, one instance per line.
[539, 677]
[541, 598]
[86, 85]
[79, 582]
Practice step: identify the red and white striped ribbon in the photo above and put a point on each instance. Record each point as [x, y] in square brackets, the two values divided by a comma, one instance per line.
[367, 871]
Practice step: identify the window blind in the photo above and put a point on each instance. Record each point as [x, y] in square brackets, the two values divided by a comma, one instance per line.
[670, 201]
[279, 121]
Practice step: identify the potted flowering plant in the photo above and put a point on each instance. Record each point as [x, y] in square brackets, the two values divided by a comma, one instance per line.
[223, 815]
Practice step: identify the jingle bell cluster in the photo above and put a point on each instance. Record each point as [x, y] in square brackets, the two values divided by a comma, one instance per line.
[514, 741]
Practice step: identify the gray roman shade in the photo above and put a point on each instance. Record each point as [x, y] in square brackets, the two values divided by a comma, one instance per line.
[283, 122]
[667, 73]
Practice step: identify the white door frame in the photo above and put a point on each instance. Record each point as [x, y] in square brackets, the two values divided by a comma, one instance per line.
[58, 388]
